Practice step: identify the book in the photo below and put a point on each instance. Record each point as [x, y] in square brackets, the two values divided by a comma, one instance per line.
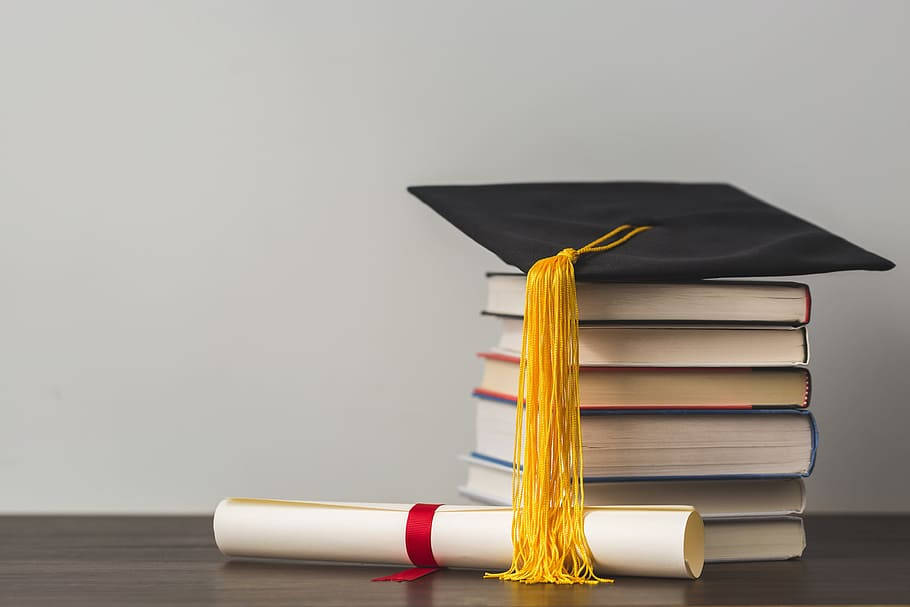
[680, 346]
[722, 301]
[664, 387]
[670, 443]
[754, 539]
[745, 520]
[491, 483]
[734, 538]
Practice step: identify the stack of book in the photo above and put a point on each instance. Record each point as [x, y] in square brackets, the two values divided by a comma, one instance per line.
[690, 393]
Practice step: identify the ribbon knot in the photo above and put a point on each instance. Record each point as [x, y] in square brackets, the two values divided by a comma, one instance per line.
[569, 253]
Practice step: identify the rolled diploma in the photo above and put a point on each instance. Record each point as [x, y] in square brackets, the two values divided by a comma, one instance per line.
[651, 541]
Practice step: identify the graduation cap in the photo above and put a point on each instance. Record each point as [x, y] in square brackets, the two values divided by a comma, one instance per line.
[698, 230]
[630, 231]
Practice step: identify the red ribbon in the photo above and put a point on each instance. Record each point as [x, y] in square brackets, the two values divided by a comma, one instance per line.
[417, 540]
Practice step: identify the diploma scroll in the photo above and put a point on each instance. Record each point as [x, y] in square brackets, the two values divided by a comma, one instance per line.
[652, 541]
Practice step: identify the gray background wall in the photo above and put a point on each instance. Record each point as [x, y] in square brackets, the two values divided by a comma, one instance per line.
[213, 282]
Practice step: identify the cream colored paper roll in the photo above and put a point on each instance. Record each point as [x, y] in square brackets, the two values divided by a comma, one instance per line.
[651, 541]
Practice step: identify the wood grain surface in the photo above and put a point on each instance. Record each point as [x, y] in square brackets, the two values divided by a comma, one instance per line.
[53, 560]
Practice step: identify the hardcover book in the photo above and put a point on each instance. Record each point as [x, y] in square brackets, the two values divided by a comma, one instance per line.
[677, 346]
[707, 301]
[491, 483]
[670, 444]
[664, 387]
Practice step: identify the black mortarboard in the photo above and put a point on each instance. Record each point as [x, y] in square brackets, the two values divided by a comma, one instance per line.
[699, 230]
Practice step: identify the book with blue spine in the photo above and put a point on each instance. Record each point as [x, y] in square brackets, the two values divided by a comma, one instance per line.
[670, 444]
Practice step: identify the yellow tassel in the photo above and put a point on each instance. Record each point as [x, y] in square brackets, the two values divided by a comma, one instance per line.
[548, 536]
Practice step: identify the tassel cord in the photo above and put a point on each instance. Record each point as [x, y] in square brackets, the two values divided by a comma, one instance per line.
[548, 539]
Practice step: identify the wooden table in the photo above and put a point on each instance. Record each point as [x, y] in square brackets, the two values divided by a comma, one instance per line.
[173, 561]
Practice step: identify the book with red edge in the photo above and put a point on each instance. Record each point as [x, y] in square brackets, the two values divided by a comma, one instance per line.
[664, 387]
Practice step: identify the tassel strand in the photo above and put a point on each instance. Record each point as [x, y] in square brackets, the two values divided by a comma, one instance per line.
[548, 538]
